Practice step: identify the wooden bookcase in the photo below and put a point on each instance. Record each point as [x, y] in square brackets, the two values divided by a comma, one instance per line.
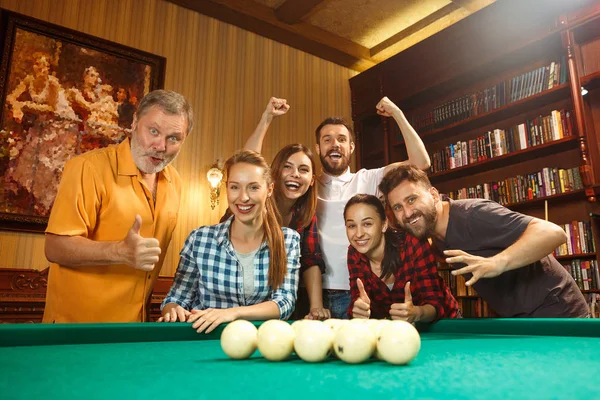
[442, 85]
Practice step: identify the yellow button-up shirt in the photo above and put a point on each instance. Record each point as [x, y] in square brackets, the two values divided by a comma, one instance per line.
[99, 195]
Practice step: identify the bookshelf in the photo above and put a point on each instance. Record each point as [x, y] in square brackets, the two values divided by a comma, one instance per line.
[501, 106]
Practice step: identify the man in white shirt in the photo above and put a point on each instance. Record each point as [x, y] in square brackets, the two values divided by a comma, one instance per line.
[336, 185]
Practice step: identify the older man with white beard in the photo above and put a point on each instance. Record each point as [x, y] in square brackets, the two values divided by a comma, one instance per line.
[336, 185]
[114, 216]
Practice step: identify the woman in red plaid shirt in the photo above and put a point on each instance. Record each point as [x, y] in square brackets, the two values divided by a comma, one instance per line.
[392, 274]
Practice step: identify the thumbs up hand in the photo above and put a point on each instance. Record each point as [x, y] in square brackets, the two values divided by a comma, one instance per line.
[362, 305]
[406, 311]
[137, 251]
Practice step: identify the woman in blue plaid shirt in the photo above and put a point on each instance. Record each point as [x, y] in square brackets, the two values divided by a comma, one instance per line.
[243, 268]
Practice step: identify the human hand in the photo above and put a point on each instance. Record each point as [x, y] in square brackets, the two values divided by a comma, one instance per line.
[139, 252]
[406, 311]
[276, 107]
[362, 305]
[173, 312]
[207, 320]
[386, 107]
[480, 267]
[318, 313]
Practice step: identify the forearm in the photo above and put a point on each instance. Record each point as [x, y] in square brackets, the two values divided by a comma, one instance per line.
[77, 251]
[539, 240]
[255, 141]
[417, 154]
[314, 286]
[261, 311]
[19, 90]
[426, 313]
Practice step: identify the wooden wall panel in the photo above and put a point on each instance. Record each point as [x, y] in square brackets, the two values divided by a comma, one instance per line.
[227, 73]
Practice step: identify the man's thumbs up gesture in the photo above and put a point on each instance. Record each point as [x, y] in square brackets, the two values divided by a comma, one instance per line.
[362, 305]
[139, 252]
[405, 311]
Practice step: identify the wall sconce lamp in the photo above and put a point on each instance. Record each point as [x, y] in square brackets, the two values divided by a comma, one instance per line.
[215, 177]
[583, 91]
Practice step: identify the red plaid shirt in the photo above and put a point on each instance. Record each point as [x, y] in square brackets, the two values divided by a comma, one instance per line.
[310, 249]
[418, 267]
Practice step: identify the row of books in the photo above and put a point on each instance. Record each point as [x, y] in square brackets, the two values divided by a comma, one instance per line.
[585, 273]
[493, 97]
[538, 80]
[456, 283]
[593, 301]
[475, 308]
[471, 307]
[534, 132]
[548, 182]
[478, 308]
[580, 239]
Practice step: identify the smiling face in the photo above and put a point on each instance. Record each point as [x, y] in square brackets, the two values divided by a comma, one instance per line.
[365, 228]
[296, 176]
[335, 148]
[414, 207]
[156, 139]
[247, 192]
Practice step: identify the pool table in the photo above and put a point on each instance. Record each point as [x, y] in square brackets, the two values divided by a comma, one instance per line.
[459, 359]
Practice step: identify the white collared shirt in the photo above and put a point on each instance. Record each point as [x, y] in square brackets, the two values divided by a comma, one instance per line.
[333, 192]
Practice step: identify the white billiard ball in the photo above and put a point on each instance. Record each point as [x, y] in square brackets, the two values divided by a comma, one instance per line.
[378, 325]
[313, 341]
[359, 321]
[335, 323]
[376, 328]
[399, 342]
[372, 323]
[298, 323]
[275, 340]
[238, 339]
[354, 343]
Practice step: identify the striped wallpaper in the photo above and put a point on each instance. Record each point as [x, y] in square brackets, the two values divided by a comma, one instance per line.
[227, 73]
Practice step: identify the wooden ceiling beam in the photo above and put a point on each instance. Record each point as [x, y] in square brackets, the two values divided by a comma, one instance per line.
[292, 11]
[417, 26]
[261, 19]
[466, 4]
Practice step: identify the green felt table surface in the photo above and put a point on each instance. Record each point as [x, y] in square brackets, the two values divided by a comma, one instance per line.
[459, 359]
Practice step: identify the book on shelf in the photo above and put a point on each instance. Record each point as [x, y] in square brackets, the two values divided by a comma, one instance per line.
[593, 301]
[584, 272]
[456, 283]
[544, 183]
[580, 239]
[488, 99]
[531, 133]
[475, 308]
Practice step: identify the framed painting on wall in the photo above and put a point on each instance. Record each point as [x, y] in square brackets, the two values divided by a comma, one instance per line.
[62, 93]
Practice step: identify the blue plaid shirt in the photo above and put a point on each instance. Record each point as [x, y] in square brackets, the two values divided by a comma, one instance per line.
[209, 274]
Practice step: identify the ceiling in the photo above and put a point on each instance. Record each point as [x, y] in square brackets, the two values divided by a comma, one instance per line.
[354, 33]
